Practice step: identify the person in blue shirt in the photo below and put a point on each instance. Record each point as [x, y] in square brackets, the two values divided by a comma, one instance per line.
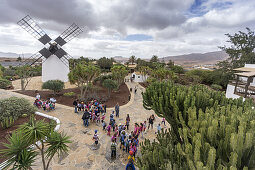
[130, 165]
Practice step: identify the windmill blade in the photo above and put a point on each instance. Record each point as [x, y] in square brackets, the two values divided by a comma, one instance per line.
[65, 59]
[33, 59]
[28, 24]
[70, 33]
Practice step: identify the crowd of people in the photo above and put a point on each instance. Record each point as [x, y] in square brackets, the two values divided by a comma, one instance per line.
[121, 133]
[46, 105]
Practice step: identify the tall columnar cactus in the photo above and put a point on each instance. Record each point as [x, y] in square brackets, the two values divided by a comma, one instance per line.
[209, 131]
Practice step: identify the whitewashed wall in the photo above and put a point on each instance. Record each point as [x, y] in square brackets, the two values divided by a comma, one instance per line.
[139, 78]
[54, 69]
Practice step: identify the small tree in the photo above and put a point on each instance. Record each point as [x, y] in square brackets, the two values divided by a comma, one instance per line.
[19, 59]
[82, 75]
[55, 85]
[25, 73]
[110, 85]
[154, 59]
[22, 157]
[118, 73]
[105, 63]
[132, 59]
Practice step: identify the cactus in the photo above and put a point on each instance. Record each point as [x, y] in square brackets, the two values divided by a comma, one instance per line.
[7, 122]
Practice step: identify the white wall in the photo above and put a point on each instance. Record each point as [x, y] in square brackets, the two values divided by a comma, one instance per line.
[54, 69]
[139, 78]
[230, 92]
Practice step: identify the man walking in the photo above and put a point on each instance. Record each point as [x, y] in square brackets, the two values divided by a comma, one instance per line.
[117, 110]
[75, 103]
[85, 118]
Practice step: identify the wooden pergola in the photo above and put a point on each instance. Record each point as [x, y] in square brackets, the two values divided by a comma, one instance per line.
[249, 73]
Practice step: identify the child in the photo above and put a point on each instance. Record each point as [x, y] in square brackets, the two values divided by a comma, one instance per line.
[158, 128]
[103, 117]
[113, 149]
[113, 125]
[122, 140]
[127, 121]
[144, 126]
[131, 155]
[128, 142]
[141, 129]
[114, 137]
[79, 106]
[104, 125]
[109, 129]
[95, 137]
[98, 118]
[164, 121]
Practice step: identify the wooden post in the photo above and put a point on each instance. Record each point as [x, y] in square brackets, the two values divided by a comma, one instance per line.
[247, 85]
[237, 79]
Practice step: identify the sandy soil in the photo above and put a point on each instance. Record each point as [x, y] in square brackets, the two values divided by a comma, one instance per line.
[36, 84]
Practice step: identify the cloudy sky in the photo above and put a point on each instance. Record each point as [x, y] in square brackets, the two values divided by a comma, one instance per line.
[127, 27]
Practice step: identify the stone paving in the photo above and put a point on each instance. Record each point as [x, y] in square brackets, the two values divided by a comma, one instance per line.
[83, 153]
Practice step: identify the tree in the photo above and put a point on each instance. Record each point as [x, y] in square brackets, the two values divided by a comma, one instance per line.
[55, 85]
[82, 75]
[18, 149]
[208, 131]
[162, 73]
[154, 59]
[25, 74]
[170, 64]
[110, 85]
[105, 63]
[132, 59]
[19, 59]
[177, 69]
[118, 73]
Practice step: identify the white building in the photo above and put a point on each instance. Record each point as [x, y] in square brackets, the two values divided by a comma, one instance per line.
[244, 85]
[139, 77]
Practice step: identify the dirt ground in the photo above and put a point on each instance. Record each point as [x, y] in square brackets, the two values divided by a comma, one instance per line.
[5, 132]
[101, 94]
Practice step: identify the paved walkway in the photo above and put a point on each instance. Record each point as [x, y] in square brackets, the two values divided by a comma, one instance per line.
[83, 154]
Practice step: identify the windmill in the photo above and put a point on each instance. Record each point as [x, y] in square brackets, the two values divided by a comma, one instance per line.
[55, 61]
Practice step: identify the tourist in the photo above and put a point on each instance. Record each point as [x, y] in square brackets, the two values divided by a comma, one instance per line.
[144, 126]
[38, 97]
[127, 121]
[109, 129]
[104, 125]
[164, 121]
[95, 137]
[114, 137]
[86, 117]
[113, 148]
[75, 103]
[141, 129]
[135, 89]
[158, 128]
[133, 148]
[103, 117]
[122, 140]
[151, 121]
[117, 109]
[130, 89]
[128, 142]
[130, 165]
[131, 156]
[113, 125]
[79, 106]
[105, 108]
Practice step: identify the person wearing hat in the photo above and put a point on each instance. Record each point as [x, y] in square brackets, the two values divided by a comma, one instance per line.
[131, 155]
[95, 137]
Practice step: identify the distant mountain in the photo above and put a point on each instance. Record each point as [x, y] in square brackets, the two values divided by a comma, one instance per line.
[14, 55]
[120, 59]
[197, 58]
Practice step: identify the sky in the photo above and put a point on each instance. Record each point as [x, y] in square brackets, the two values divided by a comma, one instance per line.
[127, 27]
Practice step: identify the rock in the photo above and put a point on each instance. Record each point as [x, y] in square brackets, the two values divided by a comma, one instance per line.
[74, 146]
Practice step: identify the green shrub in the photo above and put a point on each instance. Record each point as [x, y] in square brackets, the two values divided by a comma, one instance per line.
[7, 122]
[101, 78]
[14, 107]
[216, 87]
[69, 94]
[55, 85]
[177, 69]
[4, 84]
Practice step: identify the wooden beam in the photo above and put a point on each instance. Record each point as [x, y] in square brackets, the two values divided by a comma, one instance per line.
[247, 85]
[237, 79]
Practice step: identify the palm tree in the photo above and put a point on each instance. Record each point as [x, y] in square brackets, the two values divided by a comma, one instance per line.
[132, 59]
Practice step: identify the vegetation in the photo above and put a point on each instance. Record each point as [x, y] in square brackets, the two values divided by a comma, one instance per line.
[25, 74]
[83, 75]
[162, 74]
[105, 63]
[110, 85]
[5, 84]
[69, 94]
[18, 150]
[208, 131]
[55, 85]
[154, 59]
[14, 107]
[177, 69]
[7, 122]
[216, 87]
[132, 59]
[118, 73]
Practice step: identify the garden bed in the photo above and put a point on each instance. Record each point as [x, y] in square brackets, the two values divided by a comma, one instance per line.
[144, 84]
[5, 132]
[121, 96]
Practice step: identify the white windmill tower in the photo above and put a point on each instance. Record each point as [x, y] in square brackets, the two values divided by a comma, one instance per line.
[55, 61]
